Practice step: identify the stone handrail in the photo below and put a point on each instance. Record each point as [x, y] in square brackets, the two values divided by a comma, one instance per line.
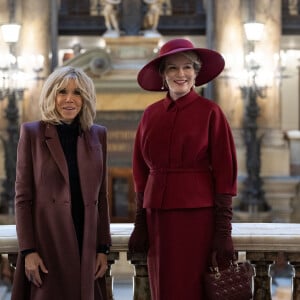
[260, 242]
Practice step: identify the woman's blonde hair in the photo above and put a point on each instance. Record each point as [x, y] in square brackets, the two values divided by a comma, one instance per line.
[56, 81]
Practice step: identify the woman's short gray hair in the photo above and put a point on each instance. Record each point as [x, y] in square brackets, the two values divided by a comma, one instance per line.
[57, 80]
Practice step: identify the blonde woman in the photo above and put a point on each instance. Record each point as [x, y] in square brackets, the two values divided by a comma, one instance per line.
[61, 203]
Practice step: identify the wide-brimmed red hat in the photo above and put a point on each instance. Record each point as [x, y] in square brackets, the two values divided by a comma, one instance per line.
[212, 64]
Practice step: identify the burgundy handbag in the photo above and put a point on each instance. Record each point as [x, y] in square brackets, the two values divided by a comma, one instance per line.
[233, 283]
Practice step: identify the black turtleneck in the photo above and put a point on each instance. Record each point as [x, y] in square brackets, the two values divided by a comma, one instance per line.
[68, 134]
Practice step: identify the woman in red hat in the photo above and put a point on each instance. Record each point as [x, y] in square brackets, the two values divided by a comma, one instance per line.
[184, 169]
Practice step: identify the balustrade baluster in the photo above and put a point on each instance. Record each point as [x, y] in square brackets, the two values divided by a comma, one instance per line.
[294, 259]
[112, 257]
[296, 281]
[141, 282]
[262, 281]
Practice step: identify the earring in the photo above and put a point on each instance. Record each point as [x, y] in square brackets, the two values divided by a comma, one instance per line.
[164, 85]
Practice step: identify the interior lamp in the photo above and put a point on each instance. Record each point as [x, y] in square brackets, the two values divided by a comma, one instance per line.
[10, 32]
[254, 31]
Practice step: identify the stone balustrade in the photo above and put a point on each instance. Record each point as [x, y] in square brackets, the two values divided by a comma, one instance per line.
[259, 242]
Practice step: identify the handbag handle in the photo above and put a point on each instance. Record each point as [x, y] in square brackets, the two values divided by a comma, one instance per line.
[214, 264]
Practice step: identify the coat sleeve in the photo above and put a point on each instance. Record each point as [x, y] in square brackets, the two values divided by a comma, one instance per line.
[104, 237]
[24, 192]
[222, 154]
[140, 168]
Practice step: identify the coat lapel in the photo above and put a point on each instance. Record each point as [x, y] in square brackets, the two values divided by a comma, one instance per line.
[89, 162]
[53, 143]
[88, 157]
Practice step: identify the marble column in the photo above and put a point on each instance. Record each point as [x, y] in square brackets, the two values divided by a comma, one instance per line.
[269, 12]
[35, 40]
[231, 42]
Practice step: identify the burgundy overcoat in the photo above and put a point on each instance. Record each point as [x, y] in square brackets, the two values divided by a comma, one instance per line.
[43, 212]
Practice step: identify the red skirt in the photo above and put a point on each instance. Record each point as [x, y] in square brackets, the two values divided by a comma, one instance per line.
[180, 243]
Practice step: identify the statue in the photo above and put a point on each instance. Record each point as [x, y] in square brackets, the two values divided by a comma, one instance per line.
[293, 7]
[167, 7]
[151, 19]
[110, 14]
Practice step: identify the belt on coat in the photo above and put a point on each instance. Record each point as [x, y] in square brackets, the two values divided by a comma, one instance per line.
[179, 170]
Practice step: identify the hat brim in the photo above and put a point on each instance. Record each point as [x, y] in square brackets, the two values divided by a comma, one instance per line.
[212, 64]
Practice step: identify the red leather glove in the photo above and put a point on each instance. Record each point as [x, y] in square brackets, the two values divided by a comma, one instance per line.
[222, 242]
[139, 241]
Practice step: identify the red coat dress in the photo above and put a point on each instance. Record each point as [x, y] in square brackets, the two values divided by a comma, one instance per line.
[43, 212]
[184, 153]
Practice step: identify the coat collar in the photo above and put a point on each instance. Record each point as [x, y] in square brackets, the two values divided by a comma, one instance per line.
[181, 102]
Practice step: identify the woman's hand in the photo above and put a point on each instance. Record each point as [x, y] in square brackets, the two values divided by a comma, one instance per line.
[101, 265]
[33, 265]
